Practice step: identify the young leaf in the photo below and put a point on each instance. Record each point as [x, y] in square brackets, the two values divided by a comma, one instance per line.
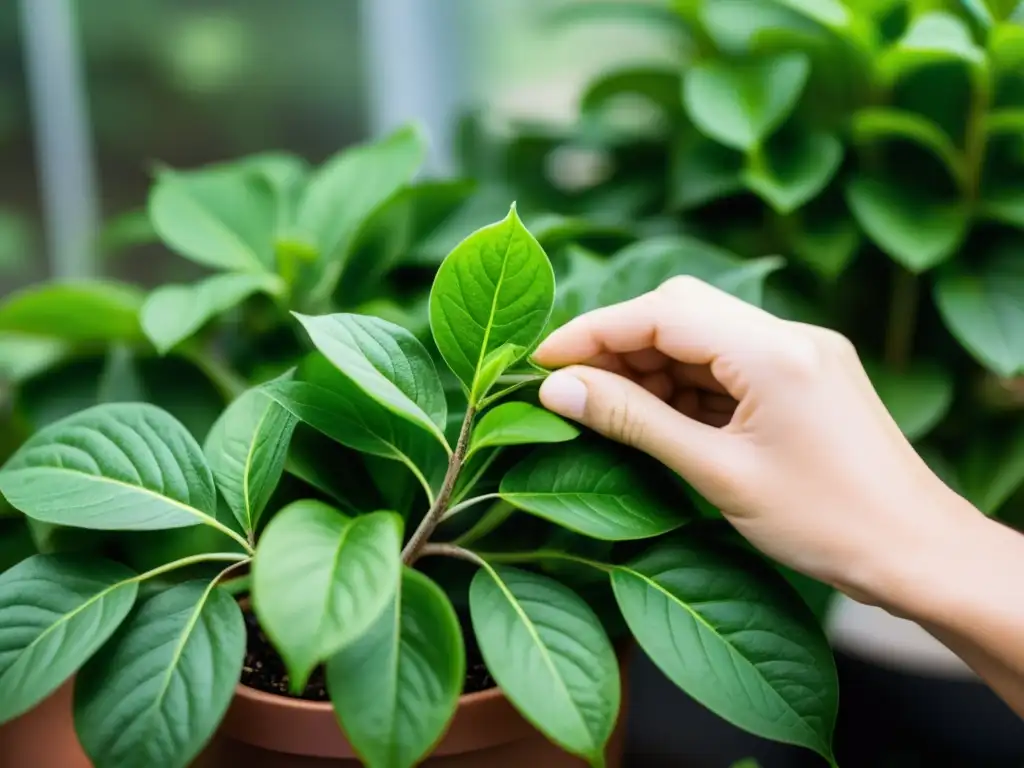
[222, 218]
[92, 311]
[247, 449]
[495, 288]
[519, 424]
[58, 610]
[157, 692]
[917, 399]
[386, 362]
[597, 489]
[788, 174]
[173, 313]
[549, 653]
[321, 580]
[396, 687]
[495, 364]
[728, 630]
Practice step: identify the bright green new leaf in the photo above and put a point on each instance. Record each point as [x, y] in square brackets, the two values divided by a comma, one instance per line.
[495, 288]
[173, 313]
[58, 610]
[549, 653]
[788, 174]
[728, 630]
[992, 470]
[740, 103]
[246, 450]
[932, 37]
[386, 362]
[1006, 47]
[92, 311]
[879, 124]
[224, 218]
[495, 364]
[519, 424]
[396, 687]
[598, 489]
[917, 398]
[157, 692]
[22, 357]
[321, 580]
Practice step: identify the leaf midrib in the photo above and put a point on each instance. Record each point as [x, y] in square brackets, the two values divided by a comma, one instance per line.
[247, 470]
[251, 257]
[493, 312]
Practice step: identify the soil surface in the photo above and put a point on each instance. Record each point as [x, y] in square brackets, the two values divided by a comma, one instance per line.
[265, 671]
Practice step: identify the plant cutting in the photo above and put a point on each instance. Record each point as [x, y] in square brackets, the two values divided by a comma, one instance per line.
[520, 516]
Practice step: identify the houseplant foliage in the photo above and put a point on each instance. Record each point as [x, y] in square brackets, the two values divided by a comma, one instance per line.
[532, 513]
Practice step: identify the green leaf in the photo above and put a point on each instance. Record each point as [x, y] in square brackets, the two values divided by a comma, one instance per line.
[931, 38]
[495, 364]
[347, 190]
[396, 687]
[285, 174]
[704, 171]
[86, 311]
[984, 310]
[386, 362]
[321, 580]
[124, 466]
[657, 15]
[826, 241]
[157, 692]
[173, 313]
[549, 653]
[23, 357]
[246, 450]
[917, 232]
[878, 124]
[576, 292]
[1006, 47]
[519, 424]
[58, 610]
[495, 288]
[740, 103]
[224, 218]
[656, 84]
[917, 399]
[791, 172]
[728, 630]
[992, 470]
[596, 488]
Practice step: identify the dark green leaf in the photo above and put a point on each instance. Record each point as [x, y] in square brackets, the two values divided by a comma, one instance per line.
[918, 398]
[791, 172]
[704, 171]
[519, 424]
[878, 124]
[93, 311]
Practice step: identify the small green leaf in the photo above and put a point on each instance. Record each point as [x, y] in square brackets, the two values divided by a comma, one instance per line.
[58, 610]
[386, 362]
[917, 399]
[173, 313]
[495, 364]
[93, 311]
[396, 687]
[549, 653]
[932, 37]
[728, 630]
[704, 171]
[789, 173]
[878, 124]
[246, 450]
[222, 218]
[992, 470]
[23, 357]
[321, 580]
[157, 692]
[657, 85]
[497, 287]
[918, 232]
[519, 424]
[1006, 47]
[740, 103]
[596, 488]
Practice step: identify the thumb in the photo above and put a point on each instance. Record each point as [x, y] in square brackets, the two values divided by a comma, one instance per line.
[627, 413]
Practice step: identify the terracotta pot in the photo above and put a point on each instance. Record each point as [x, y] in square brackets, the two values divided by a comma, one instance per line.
[43, 737]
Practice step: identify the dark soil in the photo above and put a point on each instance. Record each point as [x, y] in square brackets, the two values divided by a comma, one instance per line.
[265, 671]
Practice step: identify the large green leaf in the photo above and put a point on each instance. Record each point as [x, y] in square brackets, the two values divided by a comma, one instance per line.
[519, 424]
[790, 173]
[992, 469]
[396, 687]
[549, 653]
[917, 398]
[173, 313]
[157, 692]
[57, 611]
[246, 450]
[728, 630]
[223, 218]
[386, 362]
[93, 311]
[495, 288]
[123, 466]
[598, 489]
[321, 580]
[740, 103]
[931, 38]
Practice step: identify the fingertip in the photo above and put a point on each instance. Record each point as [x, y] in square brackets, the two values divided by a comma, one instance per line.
[565, 394]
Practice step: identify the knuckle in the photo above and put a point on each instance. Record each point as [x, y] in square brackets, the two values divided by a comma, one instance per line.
[800, 359]
[622, 424]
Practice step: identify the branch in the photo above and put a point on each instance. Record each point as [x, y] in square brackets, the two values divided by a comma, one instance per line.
[450, 550]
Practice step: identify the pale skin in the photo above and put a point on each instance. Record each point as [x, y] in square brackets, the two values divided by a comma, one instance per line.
[777, 424]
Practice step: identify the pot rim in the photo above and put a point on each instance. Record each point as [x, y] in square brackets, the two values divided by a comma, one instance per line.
[290, 702]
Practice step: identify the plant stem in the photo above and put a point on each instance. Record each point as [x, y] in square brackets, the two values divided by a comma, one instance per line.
[494, 397]
[454, 510]
[488, 522]
[899, 337]
[450, 550]
[440, 506]
[476, 475]
[542, 554]
[234, 558]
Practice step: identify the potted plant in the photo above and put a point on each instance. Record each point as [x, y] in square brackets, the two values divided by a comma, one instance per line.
[518, 516]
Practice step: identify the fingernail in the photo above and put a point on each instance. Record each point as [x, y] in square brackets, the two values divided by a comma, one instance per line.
[563, 393]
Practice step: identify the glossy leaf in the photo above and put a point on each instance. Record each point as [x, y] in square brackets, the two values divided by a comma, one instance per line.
[549, 653]
[519, 424]
[396, 687]
[57, 611]
[495, 288]
[173, 313]
[321, 580]
[730, 632]
[794, 171]
[157, 692]
[247, 450]
[918, 398]
[595, 488]
[495, 365]
[741, 103]
[93, 311]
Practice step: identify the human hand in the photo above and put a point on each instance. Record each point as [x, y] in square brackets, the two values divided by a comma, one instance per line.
[774, 422]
